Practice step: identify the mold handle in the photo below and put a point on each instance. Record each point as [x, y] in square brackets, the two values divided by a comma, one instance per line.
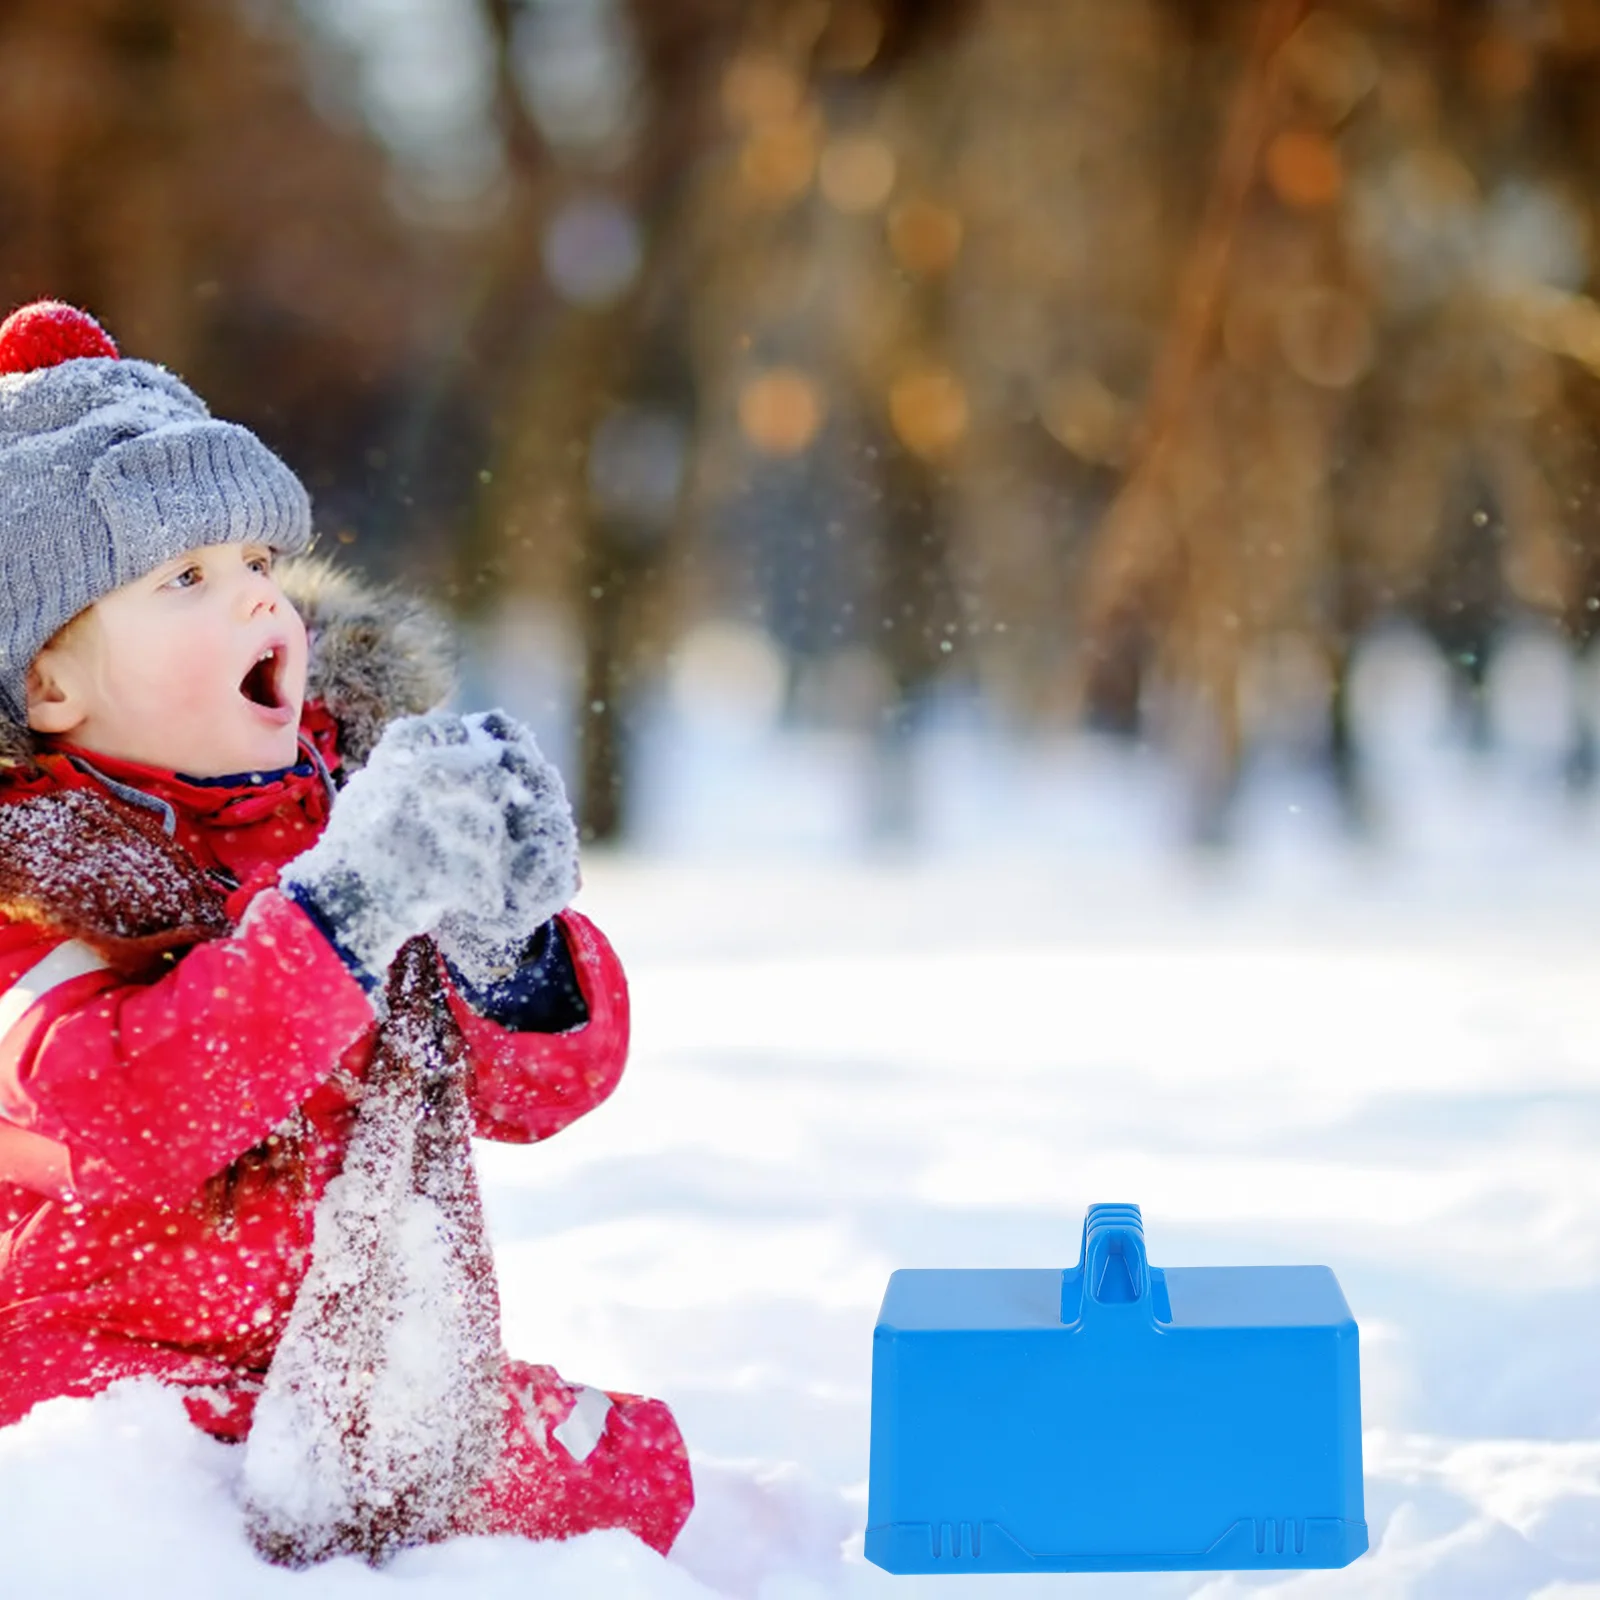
[1113, 1271]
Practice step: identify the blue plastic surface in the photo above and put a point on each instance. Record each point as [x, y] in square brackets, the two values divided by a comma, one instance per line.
[1115, 1417]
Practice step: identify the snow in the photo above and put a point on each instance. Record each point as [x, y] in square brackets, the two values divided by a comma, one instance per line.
[489, 854]
[1381, 1058]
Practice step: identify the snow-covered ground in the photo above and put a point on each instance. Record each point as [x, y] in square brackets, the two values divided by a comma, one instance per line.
[1383, 1058]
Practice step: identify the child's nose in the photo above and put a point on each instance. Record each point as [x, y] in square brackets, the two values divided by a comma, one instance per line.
[258, 593]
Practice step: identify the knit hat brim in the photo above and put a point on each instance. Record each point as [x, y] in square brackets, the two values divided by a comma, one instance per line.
[195, 483]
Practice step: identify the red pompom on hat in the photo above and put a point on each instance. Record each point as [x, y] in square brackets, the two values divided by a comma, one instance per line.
[47, 333]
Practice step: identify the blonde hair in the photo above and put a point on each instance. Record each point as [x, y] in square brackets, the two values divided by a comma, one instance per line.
[68, 632]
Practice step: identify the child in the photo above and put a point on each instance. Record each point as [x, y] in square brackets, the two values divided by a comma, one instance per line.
[273, 945]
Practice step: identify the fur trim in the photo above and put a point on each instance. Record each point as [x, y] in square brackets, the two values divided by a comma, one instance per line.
[16, 745]
[376, 654]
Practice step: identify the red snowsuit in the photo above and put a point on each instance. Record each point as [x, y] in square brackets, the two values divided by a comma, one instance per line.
[119, 1100]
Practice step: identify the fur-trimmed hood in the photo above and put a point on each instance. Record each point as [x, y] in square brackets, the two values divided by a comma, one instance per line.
[376, 654]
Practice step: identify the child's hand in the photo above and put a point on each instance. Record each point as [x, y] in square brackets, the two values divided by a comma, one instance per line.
[428, 829]
[541, 870]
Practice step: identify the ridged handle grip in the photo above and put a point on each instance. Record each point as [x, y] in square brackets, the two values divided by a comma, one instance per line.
[1113, 1270]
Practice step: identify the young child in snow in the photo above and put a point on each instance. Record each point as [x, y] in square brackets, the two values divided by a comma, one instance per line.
[274, 944]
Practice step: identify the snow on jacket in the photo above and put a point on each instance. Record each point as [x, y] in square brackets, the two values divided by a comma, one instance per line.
[148, 1222]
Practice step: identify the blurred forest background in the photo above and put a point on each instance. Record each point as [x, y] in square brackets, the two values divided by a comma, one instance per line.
[1116, 364]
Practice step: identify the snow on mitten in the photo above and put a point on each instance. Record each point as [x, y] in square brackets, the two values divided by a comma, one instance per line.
[419, 832]
[540, 872]
[381, 1412]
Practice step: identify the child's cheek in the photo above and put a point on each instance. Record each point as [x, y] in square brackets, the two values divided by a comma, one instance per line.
[191, 679]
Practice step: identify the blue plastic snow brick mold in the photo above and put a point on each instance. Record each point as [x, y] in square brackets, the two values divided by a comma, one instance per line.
[1115, 1417]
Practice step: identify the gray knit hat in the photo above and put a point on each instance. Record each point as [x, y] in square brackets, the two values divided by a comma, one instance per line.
[107, 469]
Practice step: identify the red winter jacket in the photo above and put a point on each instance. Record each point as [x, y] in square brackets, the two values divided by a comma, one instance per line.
[120, 1100]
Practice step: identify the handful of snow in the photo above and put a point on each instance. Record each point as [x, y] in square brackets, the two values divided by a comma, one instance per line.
[455, 823]
[541, 865]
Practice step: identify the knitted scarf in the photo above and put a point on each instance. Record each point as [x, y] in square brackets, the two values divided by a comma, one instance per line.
[381, 1409]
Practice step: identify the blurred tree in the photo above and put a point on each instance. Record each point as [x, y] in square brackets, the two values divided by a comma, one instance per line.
[1132, 362]
[591, 394]
[1357, 409]
[161, 162]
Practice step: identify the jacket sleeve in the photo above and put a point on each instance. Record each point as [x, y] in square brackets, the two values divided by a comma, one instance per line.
[143, 1090]
[539, 995]
[527, 1085]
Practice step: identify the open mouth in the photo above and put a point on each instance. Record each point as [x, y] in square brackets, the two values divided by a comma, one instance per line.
[261, 685]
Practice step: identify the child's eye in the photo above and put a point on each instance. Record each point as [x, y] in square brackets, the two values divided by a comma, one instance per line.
[186, 579]
[261, 564]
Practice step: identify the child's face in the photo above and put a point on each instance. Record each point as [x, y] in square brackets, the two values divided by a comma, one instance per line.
[199, 667]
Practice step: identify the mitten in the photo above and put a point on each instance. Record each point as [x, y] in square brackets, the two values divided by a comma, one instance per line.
[486, 938]
[422, 831]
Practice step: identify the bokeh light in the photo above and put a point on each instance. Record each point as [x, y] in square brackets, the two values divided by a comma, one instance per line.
[1304, 168]
[781, 411]
[925, 237]
[857, 174]
[928, 408]
[592, 250]
[780, 157]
